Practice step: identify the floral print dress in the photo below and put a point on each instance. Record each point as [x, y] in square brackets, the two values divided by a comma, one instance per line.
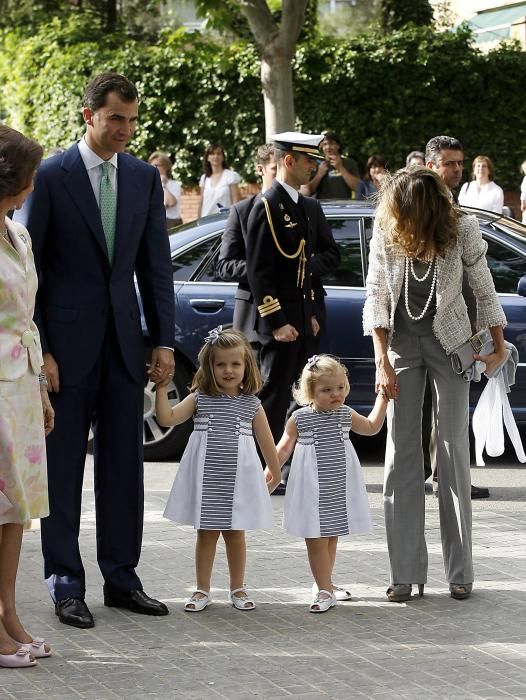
[23, 476]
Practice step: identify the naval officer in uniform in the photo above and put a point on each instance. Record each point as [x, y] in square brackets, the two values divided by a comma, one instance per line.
[289, 248]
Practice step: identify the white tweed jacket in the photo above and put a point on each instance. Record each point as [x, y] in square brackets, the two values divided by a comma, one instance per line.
[451, 324]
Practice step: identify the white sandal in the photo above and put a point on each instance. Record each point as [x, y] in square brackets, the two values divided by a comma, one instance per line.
[198, 603]
[240, 602]
[321, 605]
[339, 592]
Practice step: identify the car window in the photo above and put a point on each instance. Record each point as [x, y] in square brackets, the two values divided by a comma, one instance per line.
[346, 233]
[208, 273]
[507, 266]
[185, 264]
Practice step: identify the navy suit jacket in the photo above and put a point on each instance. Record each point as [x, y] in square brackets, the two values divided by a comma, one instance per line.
[78, 289]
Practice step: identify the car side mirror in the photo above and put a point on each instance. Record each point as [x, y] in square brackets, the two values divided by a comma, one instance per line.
[521, 287]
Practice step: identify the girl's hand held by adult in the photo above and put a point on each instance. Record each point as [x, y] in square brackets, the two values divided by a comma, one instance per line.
[265, 441]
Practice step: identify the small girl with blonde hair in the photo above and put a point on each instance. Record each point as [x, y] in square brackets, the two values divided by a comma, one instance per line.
[220, 486]
[326, 495]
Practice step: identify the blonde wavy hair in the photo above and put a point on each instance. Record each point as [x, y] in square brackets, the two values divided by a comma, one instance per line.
[416, 212]
[303, 392]
[204, 379]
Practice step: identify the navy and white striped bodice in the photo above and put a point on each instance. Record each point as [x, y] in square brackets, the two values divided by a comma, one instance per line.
[225, 418]
[328, 431]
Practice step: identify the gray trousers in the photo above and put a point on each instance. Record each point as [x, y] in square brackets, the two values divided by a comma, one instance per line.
[404, 501]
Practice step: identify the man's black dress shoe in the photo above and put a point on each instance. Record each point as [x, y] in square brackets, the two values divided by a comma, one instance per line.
[74, 612]
[136, 601]
[479, 492]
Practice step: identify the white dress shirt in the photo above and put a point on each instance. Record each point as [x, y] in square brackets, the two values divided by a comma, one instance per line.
[92, 164]
[294, 194]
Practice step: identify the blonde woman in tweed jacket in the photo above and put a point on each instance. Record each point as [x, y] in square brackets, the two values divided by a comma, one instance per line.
[417, 316]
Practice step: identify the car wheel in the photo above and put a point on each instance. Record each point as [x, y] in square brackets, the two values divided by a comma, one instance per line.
[165, 443]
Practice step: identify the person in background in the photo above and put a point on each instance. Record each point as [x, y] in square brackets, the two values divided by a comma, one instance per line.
[444, 155]
[481, 191]
[219, 186]
[523, 192]
[415, 158]
[416, 314]
[374, 173]
[171, 188]
[26, 415]
[232, 261]
[336, 177]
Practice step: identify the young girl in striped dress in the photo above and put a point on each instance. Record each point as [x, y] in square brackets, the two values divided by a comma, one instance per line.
[326, 494]
[220, 486]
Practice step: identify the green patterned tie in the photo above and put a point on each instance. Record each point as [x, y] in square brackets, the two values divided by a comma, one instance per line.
[108, 209]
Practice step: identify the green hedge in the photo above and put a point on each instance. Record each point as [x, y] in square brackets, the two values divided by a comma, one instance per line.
[385, 94]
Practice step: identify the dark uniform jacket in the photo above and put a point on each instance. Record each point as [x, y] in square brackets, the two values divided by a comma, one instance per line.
[286, 261]
[232, 265]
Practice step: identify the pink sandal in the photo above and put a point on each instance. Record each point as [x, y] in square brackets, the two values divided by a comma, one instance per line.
[20, 659]
[37, 648]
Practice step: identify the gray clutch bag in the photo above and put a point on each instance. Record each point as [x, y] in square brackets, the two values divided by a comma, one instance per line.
[462, 358]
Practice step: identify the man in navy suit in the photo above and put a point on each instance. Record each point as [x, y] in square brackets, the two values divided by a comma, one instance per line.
[96, 217]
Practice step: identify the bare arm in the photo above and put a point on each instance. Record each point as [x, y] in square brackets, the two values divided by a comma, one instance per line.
[200, 207]
[285, 446]
[170, 200]
[350, 180]
[266, 443]
[312, 185]
[172, 415]
[385, 374]
[371, 424]
[235, 194]
[495, 358]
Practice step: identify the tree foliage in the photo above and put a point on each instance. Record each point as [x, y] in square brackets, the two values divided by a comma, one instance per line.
[397, 14]
[383, 93]
[135, 17]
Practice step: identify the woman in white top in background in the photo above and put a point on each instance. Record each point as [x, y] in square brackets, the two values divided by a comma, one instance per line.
[523, 192]
[219, 185]
[481, 192]
[171, 188]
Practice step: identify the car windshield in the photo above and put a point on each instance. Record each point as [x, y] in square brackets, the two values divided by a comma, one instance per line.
[503, 223]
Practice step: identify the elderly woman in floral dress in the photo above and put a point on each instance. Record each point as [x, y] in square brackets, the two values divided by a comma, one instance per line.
[27, 415]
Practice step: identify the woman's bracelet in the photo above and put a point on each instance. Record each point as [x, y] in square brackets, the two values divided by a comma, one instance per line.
[42, 380]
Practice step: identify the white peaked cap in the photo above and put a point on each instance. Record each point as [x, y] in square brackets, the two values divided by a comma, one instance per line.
[299, 143]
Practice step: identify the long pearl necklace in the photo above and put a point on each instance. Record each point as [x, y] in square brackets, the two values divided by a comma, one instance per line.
[409, 268]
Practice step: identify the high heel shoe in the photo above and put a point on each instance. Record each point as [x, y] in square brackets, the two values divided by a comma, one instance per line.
[460, 591]
[401, 592]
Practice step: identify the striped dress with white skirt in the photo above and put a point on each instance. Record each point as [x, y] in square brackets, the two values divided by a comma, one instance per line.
[220, 483]
[326, 493]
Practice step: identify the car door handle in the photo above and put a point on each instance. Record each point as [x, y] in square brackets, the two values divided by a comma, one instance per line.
[207, 304]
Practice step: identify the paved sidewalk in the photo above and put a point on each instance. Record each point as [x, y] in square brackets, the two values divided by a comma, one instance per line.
[433, 647]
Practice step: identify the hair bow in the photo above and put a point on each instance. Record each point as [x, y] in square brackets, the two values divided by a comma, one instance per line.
[213, 335]
[313, 361]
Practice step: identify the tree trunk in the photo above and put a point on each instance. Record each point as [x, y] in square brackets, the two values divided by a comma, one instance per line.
[276, 43]
[276, 82]
[111, 16]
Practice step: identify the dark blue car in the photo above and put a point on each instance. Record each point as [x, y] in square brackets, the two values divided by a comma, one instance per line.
[204, 301]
